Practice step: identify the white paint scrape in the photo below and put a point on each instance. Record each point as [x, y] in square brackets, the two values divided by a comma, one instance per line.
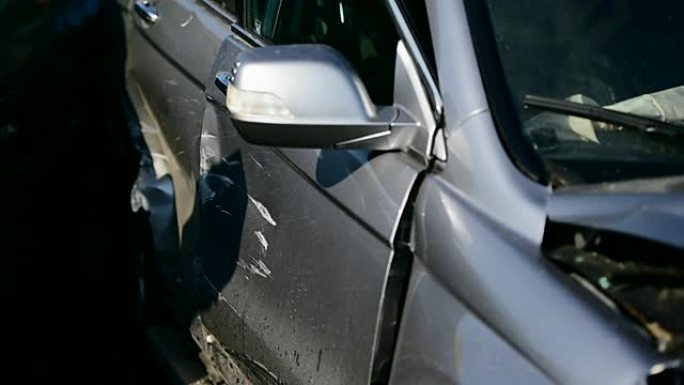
[186, 22]
[262, 239]
[256, 267]
[263, 211]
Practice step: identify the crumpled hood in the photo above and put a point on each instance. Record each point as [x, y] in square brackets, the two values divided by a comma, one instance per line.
[651, 208]
[625, 241]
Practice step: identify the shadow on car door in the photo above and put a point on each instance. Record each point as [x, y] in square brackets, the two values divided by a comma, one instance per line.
[171, 47]
[297, 244]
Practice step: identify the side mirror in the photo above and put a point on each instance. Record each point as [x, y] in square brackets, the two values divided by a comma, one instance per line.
[305, 96]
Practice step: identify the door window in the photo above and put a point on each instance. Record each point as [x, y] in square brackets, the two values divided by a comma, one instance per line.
[228, 5]
[261, 17]
[362, 30]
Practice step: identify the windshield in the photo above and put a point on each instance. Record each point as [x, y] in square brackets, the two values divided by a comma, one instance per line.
[624, 55]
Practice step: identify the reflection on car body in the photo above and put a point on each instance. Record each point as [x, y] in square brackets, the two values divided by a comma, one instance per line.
[364, 198]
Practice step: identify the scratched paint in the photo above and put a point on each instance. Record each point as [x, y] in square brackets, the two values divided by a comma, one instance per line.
[263, 268]
[262, 239]
[256, 267]
[256, 161]
[223, 299]
[263, 211]
[186, 22]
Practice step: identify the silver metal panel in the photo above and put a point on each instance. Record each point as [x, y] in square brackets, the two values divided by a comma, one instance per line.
[459, 75]
[442, 342]
[481, 172]
[479, 230]
[375, 185]
[300, 279]
[561, 328]
[372, 185]
[167, 63]
[321, 84]
[652, 209]
[188, 33]
[171, 59]
[479, 169]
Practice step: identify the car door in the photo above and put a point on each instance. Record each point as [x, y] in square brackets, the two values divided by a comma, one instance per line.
[301, 250]
[171, 49]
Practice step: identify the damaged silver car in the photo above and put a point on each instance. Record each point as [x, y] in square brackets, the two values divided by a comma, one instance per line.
[417, 192]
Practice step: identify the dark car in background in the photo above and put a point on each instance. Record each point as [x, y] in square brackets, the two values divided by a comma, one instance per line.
[407, 192]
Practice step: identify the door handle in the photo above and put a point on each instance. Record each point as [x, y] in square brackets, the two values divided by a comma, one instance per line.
[146, 11]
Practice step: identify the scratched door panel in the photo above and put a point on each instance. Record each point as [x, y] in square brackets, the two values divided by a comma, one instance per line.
[300, 296]
[168, 62]
[373, 185]
[295, 248]
[294, 273]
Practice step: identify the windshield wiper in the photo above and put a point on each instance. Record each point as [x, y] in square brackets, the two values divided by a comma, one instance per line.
[600, 114]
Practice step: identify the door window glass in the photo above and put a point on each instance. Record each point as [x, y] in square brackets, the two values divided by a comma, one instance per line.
[228, 5]
[261, 17]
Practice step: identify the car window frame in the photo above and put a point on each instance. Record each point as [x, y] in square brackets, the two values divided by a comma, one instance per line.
[235, 21]
[215, 7]
[243, 22]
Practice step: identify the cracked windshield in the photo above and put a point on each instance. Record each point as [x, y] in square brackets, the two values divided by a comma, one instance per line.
[598, 85]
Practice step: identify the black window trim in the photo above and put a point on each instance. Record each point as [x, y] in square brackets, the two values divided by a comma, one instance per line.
[235, 21]
[255, 36]
[249, 37]
[213, 6]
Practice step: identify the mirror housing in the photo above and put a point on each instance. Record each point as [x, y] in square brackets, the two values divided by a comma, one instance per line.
[305, 96]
